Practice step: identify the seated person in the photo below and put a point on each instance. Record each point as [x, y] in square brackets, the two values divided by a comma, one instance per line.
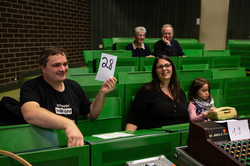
[201, 103]
[139, 49]
[161, 102]
[167, 45]
[52, 101]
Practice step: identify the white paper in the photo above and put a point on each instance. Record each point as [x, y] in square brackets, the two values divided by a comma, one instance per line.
[107, 67]
[224, 121]
[112, 135]
[238, 130]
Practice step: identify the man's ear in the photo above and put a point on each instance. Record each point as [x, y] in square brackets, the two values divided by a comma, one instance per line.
[42, 68]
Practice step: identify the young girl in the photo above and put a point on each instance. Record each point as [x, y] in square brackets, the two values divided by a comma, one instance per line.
[200, 101]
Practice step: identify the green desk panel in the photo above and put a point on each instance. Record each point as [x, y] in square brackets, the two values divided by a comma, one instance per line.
[115, 152]
[182, 129]
[27, 137]
[75, 156]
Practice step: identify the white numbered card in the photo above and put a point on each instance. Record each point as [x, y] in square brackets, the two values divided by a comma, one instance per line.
[238, 130]
[106, 67]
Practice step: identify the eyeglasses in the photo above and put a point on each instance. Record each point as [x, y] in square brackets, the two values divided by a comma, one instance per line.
[167, 65]
[140, 35]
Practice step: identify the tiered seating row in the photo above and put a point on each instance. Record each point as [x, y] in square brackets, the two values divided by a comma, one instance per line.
[41, 146]
[121, 43]
[240, 48]
[230, 87]
[221, 60]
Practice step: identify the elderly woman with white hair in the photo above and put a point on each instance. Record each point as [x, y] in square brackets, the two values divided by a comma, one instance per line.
[139, 49]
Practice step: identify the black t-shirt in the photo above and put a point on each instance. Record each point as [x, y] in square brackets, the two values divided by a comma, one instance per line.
[152, 109]
[69, 103]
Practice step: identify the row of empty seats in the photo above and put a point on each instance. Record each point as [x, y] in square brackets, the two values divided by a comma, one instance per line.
[92, 59]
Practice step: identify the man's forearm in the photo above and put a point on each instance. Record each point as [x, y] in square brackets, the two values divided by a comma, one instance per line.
[39, 116]
[97, 105]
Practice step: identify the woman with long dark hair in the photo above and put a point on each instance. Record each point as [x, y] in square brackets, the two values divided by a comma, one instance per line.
[160, 102]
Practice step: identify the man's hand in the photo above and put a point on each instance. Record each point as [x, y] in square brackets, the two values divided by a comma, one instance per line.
[74, 135]
[165, 40]
[109, 85]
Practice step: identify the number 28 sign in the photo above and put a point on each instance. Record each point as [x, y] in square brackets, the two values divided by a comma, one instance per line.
[106, 67]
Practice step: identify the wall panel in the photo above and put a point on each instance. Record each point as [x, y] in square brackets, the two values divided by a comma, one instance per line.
[116, 18]
[239, 19]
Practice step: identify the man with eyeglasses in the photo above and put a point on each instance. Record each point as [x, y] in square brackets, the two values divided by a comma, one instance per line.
[139, 49]
[167, 45]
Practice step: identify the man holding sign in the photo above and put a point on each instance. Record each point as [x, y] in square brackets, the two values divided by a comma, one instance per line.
[52, 101]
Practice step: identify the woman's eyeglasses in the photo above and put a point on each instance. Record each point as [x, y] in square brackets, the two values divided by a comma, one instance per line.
[167, 65]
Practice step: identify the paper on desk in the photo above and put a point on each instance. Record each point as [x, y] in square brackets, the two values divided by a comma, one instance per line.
[107, 67]
[238, 130]
[112, 135]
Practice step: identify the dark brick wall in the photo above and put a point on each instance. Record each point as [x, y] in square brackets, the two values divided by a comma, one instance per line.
[28, 25]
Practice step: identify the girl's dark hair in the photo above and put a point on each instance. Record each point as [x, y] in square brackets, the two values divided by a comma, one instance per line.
[46, 52]
[195, 86]
[173, 86]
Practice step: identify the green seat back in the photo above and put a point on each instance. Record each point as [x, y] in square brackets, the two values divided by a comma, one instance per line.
[146, 61]
[107, 43]
[240, 48]
[77, 71]
[192, 74]
[215, 84]
[239, 42]
[134, 77]
[212, 53]
[109, 120]
[125, 69]
[192, 61]
[237, 94]
[225, 62]
[199, 46]
[228, 72]
[148, 68]
[217, 95]
[193, 52]
[195, 67]
[122, 39]
[122, 45]
[111, 108]
[187, 41]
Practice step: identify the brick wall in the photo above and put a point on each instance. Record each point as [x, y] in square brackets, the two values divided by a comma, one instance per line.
[28, 25]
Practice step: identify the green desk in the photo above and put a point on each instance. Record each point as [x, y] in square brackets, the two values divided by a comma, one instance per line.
[142, 144]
